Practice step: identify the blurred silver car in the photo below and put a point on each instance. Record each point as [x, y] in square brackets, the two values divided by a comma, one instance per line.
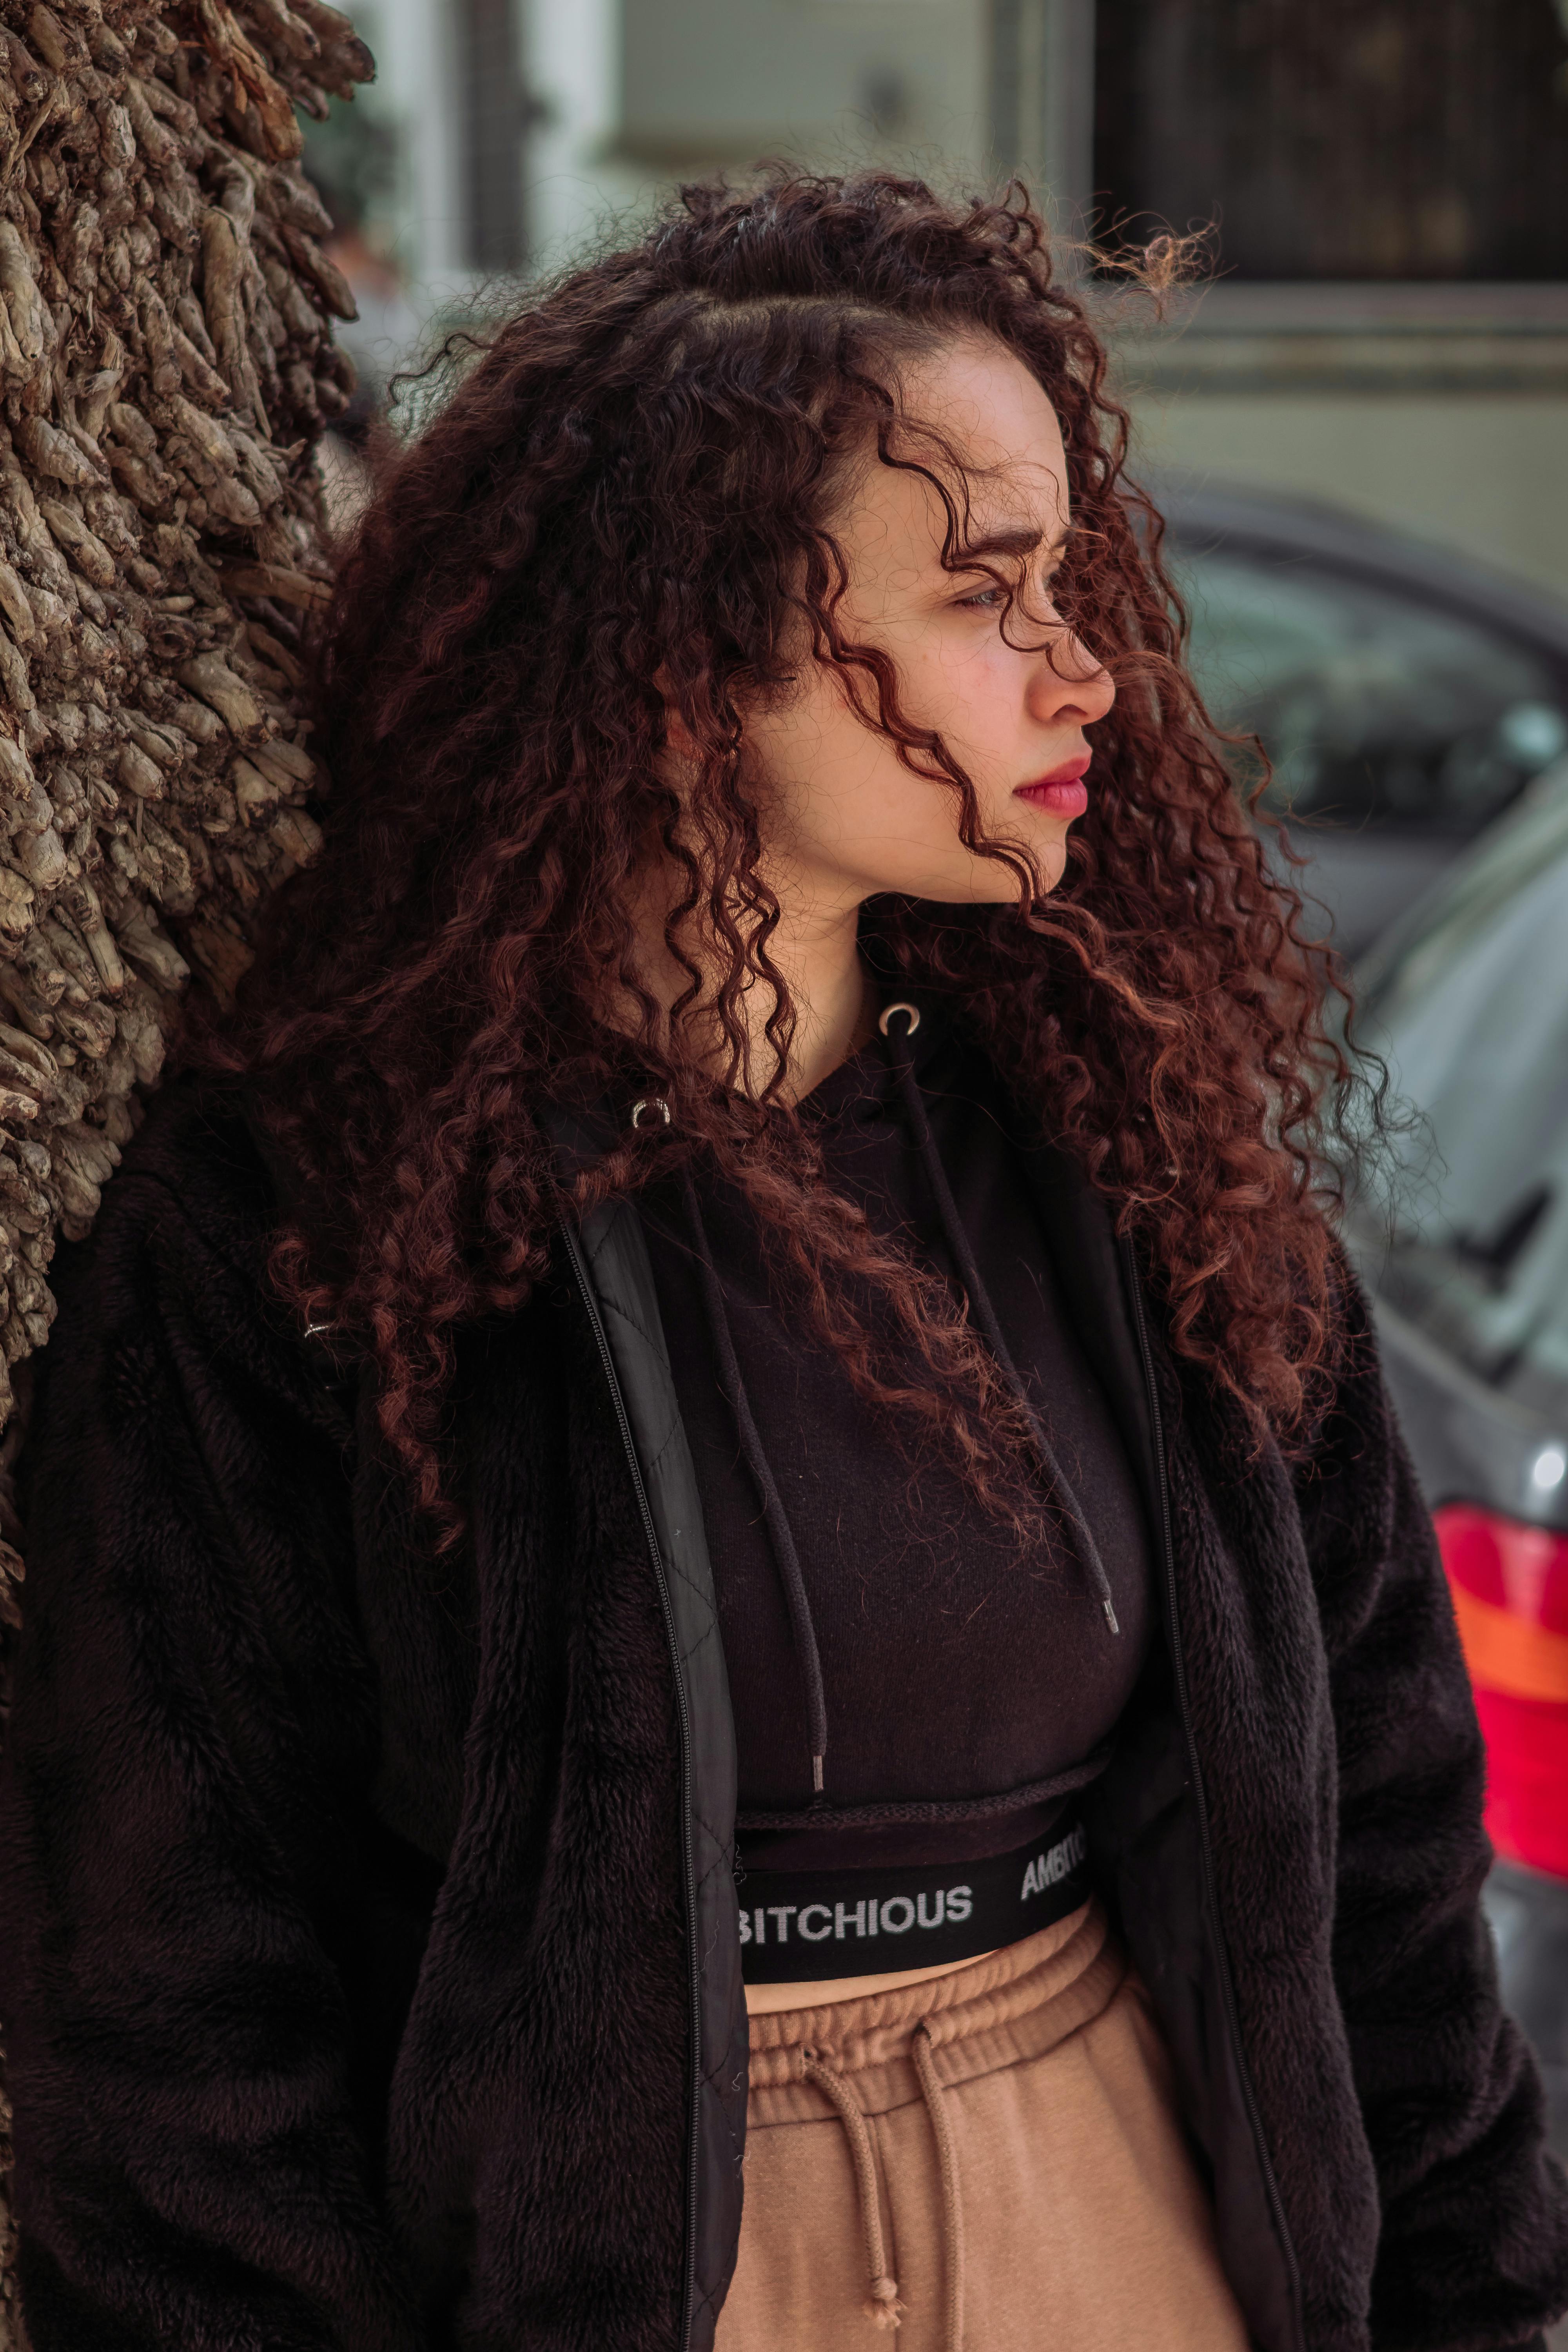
[1406, 695]
[1459, 1221]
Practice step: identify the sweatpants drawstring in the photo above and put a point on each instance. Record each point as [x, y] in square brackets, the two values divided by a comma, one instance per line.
[952, 2204]
[882, 2306]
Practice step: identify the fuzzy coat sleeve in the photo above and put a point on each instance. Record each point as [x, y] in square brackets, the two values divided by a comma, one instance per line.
[172, 1880]
[1473, 2250]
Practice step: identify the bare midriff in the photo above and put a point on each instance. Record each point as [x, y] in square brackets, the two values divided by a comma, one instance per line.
[765, 2000]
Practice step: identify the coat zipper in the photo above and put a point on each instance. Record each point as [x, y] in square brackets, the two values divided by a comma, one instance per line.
[585, 1284]
[1200, 1801]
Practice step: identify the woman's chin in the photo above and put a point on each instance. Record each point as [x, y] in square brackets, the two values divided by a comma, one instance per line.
[981, 881]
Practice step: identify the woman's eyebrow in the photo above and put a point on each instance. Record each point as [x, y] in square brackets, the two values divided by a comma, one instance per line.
[1016, 539]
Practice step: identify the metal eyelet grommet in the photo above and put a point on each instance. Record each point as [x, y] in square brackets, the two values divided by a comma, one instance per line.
[650, 1102]
[888, 1011]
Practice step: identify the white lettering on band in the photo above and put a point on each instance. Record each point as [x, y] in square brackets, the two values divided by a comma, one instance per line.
[950, 1907]
[1059, 1863]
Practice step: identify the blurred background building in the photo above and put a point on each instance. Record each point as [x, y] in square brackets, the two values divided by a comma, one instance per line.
[1387, 180]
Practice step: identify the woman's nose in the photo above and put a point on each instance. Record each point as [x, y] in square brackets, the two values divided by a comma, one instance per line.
[1068, 686]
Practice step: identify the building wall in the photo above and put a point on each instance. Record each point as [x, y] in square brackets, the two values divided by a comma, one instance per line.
[572, 62]
[639, 94]
[1483, 471]
[1439, 409]
[416, 90]
[717, 80]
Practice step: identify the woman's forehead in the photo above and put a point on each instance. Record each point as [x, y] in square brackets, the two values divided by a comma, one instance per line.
[975, 421]
[898, 517]
[985, 402]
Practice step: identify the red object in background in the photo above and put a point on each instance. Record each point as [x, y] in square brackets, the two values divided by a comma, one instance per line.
[1509, 1583]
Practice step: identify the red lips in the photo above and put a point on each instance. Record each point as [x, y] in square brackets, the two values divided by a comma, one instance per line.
[1061, 794]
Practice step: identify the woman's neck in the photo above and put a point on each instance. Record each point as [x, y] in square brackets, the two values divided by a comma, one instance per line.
[816, 951]
[831, 991]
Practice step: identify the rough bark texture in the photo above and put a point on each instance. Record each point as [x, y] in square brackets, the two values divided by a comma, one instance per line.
[166, 364]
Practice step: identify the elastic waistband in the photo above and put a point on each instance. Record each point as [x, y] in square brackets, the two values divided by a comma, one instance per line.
[800, 1927]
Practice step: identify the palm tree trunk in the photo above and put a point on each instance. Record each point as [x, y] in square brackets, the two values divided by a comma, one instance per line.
[166, 364]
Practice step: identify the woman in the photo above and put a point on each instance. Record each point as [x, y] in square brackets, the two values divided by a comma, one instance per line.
[713, 1489]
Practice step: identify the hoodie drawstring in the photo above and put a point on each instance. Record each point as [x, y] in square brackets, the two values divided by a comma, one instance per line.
[779, 1533]
[963, 1257]
[776, 1518]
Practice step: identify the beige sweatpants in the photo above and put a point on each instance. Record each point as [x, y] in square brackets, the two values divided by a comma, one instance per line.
[989, 2161]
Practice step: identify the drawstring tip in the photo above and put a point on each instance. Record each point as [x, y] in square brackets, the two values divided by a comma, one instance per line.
[1110, 1615]
[816, 1764]
[884, 2309]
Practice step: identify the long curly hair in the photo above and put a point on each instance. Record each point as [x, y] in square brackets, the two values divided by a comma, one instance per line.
[625, 506]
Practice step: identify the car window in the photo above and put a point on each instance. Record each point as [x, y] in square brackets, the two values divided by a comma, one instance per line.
[1374, 711]
[1467, 1002]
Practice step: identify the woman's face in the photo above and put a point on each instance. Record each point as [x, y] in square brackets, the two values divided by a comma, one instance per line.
[844, 817]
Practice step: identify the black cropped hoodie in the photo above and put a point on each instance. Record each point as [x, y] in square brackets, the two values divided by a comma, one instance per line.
[971, 1676]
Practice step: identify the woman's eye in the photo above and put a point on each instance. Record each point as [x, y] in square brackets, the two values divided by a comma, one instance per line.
[995, 600]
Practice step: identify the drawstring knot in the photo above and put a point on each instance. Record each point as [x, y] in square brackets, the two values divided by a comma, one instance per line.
[883, 2308]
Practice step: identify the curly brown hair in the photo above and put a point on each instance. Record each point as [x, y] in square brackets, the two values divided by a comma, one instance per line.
[626, 505]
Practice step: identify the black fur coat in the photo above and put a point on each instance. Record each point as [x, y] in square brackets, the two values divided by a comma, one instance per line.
[347, 1917]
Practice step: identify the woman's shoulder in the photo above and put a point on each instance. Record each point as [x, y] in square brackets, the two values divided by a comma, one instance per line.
[181, 1242]
[169, 1325]
[201, 1162]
